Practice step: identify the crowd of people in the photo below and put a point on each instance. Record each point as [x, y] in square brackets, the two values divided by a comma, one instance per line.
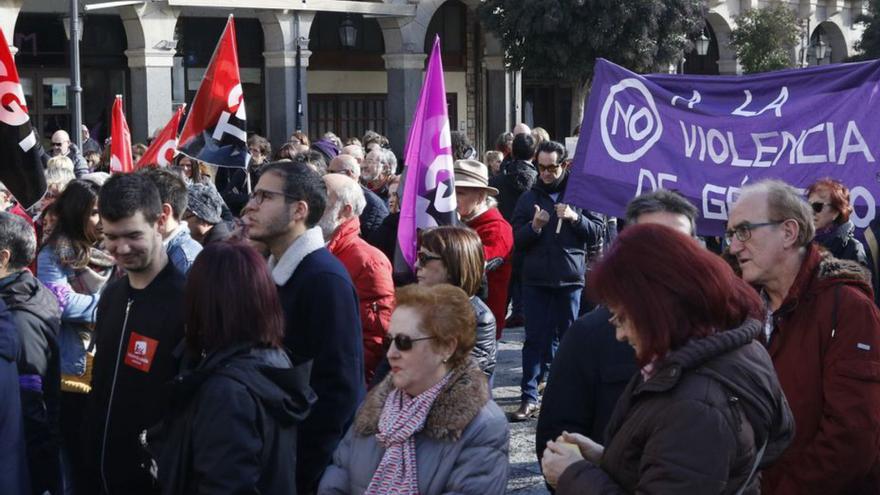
[195, 330]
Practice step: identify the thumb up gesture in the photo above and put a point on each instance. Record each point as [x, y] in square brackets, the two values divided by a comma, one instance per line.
[540, 219]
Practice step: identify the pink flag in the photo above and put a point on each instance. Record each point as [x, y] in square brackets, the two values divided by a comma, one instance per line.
[429, 190]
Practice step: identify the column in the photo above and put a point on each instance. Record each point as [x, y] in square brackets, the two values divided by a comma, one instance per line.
[9, 10]
[405, 72]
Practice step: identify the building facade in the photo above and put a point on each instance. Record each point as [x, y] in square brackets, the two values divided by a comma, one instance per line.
[358, 64]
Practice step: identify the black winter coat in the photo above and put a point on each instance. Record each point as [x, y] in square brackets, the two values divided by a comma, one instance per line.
[516, 177]
[589, 373]
[696, 425]
[13, 465]
[37, 318]
[374, 213]
[844, 245]
[549, 259]
[231, 424]
[485, 348]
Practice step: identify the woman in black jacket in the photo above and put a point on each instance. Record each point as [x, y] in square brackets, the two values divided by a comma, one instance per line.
[834, 230]
[231, 421]
[454, 255]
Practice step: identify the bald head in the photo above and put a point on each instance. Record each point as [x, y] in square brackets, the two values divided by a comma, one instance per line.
[60, 143]
[346, 165]
[521, 129]
[355, 150]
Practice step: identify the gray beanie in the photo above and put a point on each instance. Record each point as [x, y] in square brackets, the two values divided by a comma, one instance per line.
[204, 202]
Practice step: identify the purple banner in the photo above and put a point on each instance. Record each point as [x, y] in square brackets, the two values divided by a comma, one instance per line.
[707, 136]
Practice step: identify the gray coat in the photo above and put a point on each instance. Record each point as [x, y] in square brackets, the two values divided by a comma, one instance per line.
[463, 448]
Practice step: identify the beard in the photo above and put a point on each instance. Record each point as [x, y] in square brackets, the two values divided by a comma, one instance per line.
[329, 221]
[268, 232]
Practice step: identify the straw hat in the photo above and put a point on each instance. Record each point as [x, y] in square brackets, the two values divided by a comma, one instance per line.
[473, 174]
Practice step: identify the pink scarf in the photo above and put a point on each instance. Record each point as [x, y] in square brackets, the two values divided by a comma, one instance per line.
[402, 417]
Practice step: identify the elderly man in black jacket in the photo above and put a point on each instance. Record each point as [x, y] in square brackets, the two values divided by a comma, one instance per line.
[553, 238]
[592, 368]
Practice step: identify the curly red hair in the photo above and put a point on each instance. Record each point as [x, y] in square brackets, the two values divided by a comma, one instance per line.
[839, 195]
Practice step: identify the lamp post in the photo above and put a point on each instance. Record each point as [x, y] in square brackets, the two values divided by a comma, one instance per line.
[73, 31]
[347, 33]
[820, 48]
[702, 44]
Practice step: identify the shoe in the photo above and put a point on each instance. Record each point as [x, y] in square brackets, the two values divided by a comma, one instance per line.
[514, 321]
[527, 410]
[541, 386]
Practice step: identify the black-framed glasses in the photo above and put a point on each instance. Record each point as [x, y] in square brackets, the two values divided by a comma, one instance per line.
[260, 195]
[403, 342]
[818, 206]
[57, 145]
[743, 231]
[424, 258]
[548, 168]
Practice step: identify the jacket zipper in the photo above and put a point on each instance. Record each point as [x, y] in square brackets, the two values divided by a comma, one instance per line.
[112, 390]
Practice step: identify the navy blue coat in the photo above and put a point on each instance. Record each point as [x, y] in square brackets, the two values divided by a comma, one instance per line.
[374, 213]
[549, 259]
[590, 371]
[13, 461]
[322, 324]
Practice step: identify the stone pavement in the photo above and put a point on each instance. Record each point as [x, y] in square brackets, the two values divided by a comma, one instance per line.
[525, 474]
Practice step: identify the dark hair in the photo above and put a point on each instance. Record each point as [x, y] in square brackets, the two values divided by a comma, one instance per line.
[172, 189]
[286, 151]
[123, 195]
[660, 200]
[301, 183]
[692, 293]
[447, 316]
[523, 147]
[19, 238]
[230, 299]
[300, 136]
[73, 208]
[839, 195]
[461, 147]
[461, 251]
[504, 143]
[552, 147]
[311, 158]
[261, 144]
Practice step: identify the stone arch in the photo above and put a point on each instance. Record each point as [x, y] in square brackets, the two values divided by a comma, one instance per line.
[727, 63]
[836, 42]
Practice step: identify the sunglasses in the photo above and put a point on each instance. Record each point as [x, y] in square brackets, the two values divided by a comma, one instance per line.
[403, 342]
[818, 206]
[424, 258]
[548, 168]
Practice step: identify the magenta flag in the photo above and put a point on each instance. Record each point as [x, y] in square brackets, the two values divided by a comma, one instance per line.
[429, 187]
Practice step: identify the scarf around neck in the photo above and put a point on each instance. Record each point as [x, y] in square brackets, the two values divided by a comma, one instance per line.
[557, 186]
[402, 417]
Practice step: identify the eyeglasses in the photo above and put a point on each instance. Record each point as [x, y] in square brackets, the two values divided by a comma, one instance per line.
[548, 168]
[403, 342]
[425, 257]
[57, 145]
[743, 231]
[818, 206]
[260, 195]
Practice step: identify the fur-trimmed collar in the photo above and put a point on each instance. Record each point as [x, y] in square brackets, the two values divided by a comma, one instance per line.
[820, 270]
[456, 406]
[304, 245]
[834, 268]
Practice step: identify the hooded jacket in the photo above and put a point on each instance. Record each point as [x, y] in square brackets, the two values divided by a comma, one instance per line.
[231, 424]
[826, 350]
[696, 425]
[37, 320]
[842, 244]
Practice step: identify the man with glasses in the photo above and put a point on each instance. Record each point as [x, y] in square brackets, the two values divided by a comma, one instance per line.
[61, 146]
[552, 237]
[823, 332]
[320, 306]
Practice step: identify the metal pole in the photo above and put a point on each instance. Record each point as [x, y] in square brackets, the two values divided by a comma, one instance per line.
[299, 106]
[75, 88]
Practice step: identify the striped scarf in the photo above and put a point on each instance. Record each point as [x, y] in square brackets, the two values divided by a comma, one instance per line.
[402, 417]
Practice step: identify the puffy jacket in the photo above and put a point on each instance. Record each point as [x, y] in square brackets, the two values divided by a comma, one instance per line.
[842, 244]
[826, 350]
[370, 272]
[516, 178]
[497, 237]
[695, 426]
[485, 348]
[551, 259]
[231, 424]
[374, 213]
[462, 449]
[182, 249]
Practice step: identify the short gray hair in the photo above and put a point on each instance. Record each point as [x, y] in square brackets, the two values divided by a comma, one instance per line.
[351, 194]
[388, 161]
[784, 202]
[661, 200]
[19, 238]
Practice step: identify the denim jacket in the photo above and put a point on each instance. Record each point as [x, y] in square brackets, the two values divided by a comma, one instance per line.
[182, 249]
[77, 310]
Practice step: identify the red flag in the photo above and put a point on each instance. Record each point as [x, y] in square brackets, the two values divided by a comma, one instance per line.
[163, 149]
[120, 140]
[214, 131]
[21, 169]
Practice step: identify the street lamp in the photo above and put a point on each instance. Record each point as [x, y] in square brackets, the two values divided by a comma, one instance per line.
[820, 48]
[702, 44]
[348, 33]
[73, 31]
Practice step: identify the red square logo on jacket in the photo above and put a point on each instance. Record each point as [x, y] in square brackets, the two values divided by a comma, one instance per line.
[140, 351]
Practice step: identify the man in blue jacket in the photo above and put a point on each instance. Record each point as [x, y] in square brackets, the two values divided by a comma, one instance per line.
[553, 238]
[322, 321]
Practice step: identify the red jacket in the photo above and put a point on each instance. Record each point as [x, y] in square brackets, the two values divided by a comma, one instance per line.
[830, 373]
[370, 271]
[497, 237]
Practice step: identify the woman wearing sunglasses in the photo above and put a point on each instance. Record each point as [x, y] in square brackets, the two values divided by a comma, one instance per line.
[706, 411]
[454, 255]
[831, 210]
[429, 427]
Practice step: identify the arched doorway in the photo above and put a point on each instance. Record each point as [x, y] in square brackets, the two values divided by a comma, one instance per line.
[827, 38]
[704, 64]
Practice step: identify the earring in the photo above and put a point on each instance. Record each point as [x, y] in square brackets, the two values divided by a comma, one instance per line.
[445, 360]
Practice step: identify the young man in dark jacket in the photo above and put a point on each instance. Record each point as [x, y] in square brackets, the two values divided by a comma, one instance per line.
[37, 318]
[320, 307]
[553, 238]
[139, 324]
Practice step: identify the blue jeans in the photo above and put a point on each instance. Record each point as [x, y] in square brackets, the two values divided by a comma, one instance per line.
[549, 312]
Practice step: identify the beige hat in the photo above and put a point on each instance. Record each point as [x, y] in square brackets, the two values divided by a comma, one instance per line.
[471, 173]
